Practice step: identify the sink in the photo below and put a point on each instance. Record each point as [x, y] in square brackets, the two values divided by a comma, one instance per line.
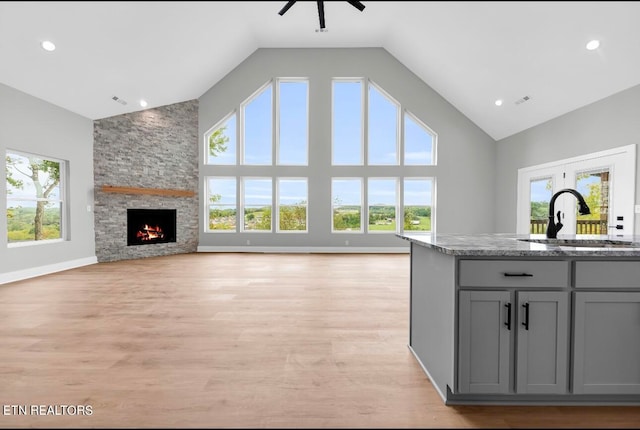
[587, 243]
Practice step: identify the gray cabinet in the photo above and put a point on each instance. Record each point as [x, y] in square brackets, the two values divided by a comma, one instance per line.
[606, 343]
[513, 341]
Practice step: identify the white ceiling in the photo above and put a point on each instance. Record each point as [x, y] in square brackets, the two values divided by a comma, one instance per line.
[472, 53]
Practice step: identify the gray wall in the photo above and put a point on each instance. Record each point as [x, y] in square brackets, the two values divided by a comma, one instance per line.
[605, 124]
[466, 155]
[32, 125]
[154, 148]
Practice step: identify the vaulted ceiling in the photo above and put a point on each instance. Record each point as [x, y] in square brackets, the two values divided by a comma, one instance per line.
[471, 53]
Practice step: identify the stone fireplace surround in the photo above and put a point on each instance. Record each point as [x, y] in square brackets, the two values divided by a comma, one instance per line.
[152, 157]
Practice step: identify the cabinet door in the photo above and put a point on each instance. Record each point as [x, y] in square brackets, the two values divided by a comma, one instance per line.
[542, 342]
[607, 343]
[484, 324]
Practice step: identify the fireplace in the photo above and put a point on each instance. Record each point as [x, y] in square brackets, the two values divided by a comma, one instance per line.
[149, 226]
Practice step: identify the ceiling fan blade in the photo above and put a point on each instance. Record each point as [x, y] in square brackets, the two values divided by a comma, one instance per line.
[356, 4]
[286, 8]
[321, 13]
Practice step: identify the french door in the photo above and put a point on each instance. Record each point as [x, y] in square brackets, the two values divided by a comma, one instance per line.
[605, 179]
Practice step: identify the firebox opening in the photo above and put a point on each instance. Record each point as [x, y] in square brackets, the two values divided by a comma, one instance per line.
[148, 226]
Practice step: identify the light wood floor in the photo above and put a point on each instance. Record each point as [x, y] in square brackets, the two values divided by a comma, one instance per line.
[235, 340]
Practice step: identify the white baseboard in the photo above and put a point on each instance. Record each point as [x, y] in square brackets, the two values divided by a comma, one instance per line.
[308, 249]
[19, 275]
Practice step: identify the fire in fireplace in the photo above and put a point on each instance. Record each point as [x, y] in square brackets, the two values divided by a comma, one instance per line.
[147, 226]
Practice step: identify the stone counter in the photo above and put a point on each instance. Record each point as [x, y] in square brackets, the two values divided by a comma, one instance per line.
[508, 245]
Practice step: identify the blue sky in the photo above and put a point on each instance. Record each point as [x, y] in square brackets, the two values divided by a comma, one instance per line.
[347, 138]
[540, 193]
[346, 127]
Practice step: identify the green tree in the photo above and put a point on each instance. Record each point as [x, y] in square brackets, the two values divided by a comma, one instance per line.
[264, 223]
[293, 217]
[51, 170]
[218, 142]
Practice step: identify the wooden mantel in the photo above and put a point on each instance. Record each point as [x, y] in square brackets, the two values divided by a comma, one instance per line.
[153, 191]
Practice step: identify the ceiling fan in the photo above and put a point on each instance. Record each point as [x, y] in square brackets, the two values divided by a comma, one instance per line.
[353, 3]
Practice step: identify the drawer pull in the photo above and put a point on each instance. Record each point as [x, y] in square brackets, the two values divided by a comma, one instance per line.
[518, 274]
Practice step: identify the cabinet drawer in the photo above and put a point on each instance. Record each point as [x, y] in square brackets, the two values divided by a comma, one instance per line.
[607, 274]
[513, 273]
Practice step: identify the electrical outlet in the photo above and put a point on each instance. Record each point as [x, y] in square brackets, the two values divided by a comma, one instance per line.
[248, 242]
[346, 242]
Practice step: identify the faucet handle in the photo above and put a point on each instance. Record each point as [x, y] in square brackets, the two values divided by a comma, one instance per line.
[558, 224]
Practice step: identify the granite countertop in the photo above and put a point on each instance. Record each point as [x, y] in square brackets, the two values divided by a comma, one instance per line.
[506, 244]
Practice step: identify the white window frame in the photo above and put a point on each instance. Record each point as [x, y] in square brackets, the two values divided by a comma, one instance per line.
[363, 128]
[276, 116]
[242, 204]
[396, 204]
[622, 181]
[434, 142]
[432, 204]
[63, 201]
[278, 205]
[242, 122]
[362, 205]
[207, 229]
[212, 130]
[399, 124]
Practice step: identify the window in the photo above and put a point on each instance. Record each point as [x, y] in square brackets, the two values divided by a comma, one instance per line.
[383, 120]
[418, 142]
[257, 128]
[292, 204]
[262, 175]
[418, 204]
[293, 122]
[347, 123]
[346, 197]
[540, 193]
[221, 142]
[256, 204]
[35, 198]
[382, 204]
[222, 208]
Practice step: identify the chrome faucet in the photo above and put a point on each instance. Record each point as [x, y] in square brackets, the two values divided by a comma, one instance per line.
[553, 228]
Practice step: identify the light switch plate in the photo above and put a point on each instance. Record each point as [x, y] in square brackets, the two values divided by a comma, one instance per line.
[637, 209]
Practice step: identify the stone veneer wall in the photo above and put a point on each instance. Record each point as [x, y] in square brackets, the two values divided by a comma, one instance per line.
[154, 148]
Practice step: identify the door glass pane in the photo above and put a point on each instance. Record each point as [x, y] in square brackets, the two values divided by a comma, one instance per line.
[540, 195]
[594, 187]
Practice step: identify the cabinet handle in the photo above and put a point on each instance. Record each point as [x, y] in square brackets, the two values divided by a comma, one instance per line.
[525, 323]
[508, 322]
[517, 274]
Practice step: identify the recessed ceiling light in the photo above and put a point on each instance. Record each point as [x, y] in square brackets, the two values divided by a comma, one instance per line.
[594, 44]
[143, 103]
[48, 45]
[498, 102]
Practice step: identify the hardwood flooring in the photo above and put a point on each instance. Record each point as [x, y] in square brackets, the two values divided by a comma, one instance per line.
[235, 341]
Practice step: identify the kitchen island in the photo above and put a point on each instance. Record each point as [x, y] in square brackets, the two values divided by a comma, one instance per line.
[499, 319]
